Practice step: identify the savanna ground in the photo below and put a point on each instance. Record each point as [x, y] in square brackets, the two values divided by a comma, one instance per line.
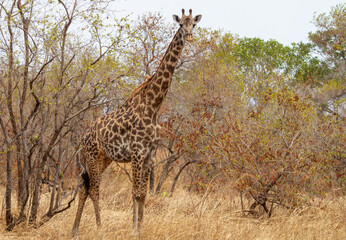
[187, 215]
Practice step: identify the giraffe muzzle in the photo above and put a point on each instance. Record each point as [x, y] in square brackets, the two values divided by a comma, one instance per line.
[189, 37]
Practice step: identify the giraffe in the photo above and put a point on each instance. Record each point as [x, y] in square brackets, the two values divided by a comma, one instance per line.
[130, 134]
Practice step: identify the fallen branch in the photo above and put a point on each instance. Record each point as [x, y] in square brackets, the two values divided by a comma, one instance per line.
[57, 210]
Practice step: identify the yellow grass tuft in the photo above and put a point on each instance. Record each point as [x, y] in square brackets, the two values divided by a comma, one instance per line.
[187, 216]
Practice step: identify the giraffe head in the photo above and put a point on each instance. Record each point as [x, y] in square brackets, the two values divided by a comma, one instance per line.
[187, 23]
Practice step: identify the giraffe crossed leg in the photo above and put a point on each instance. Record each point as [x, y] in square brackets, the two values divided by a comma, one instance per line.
[83, 195]
[95, 195]
[95, 180]
[90, 189]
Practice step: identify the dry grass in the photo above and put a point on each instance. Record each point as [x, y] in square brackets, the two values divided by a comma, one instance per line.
[187, 216]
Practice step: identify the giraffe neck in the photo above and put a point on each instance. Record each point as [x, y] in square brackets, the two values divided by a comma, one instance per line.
[169, 61]
[161, 80]
[151, 93]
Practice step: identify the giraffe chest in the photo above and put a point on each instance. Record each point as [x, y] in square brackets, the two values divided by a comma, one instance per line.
[120, 139]
[115, 142]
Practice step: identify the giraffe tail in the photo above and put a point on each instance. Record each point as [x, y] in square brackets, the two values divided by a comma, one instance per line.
[86, 181]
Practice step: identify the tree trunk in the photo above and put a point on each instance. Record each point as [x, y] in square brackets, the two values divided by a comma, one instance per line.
[165, 171]
[178, 174]
[38, 179]
[9, 218]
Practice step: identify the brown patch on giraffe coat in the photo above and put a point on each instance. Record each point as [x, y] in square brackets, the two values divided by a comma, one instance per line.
[165, 85]
[166, 74]
[173, 59]
[147, 139]
[135, 101]
[115, 128]
[155, 88]
[170, 68]
[150, 112]
[150, 95]
[158, 101]
[141, 133]
[145, 143]
[140, 126]
[149, 131]
[163, 66]
[103, 130]
[147, 121]
[122, 131]
[159, 80]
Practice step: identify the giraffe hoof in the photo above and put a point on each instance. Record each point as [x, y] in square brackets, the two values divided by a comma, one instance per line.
[75, 234]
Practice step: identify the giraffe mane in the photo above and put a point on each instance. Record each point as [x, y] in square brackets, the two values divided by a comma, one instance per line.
[139, 88]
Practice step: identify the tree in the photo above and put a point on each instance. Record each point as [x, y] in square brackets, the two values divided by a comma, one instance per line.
[50, 82]
[246, 119]
[147, 43]
[330, 41]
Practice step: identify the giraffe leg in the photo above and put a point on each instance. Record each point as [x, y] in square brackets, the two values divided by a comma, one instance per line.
[135, 214]
[136, 178]
[83, 195]
[140, 185]
[95, 178]
[147, 166]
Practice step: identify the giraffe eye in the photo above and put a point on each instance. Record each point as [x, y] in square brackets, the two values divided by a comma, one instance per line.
[194, 25]
[181, 25]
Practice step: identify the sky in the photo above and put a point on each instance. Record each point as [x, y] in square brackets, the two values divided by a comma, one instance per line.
[286, 21]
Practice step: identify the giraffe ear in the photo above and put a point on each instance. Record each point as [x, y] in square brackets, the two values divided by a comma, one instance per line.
[176, 18]
[197, 18]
